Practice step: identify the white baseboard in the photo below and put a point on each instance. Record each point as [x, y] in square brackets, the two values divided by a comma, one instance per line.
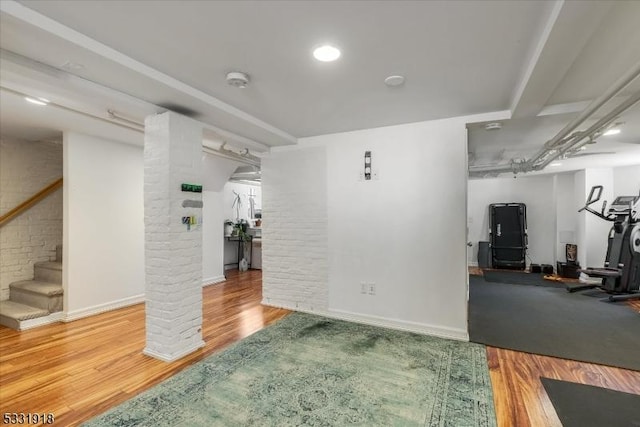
[213, 280]
[41, 321]
[173, 357]
[472, 263]
[402, 325]
[101, 308]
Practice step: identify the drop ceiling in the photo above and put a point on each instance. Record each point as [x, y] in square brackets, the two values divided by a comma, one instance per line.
[458, 58]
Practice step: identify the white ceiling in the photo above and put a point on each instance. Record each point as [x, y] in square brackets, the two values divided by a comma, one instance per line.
[459, 58]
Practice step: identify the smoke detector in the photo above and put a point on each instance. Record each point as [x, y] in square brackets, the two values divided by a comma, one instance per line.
[493, 126]
[238, 79]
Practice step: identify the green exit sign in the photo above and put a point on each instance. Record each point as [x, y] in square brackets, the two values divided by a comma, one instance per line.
[193, 188]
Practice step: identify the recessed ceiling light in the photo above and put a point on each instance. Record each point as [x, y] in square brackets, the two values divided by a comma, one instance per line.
[37, 101]
[610, 132]
[394, 81]
[326, 53]
[555, 164]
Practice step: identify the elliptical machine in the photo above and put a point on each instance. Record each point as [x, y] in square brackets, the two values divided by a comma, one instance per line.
[621, 273]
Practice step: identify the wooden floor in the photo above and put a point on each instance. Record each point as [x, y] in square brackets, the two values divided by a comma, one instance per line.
[79, 369]
[519, 396]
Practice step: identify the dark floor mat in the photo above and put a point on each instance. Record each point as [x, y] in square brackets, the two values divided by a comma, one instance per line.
[579, 405]
[554, 322]
[595, 293]
[520, 278]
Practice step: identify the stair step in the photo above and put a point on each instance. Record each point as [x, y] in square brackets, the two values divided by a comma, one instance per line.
[43, 295]
[12, 313]
[48, 271]
[51, 265]
[38, 287]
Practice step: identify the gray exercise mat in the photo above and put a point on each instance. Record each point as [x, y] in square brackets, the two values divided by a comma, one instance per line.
[580, 405]
[554, 322]
[520, 278]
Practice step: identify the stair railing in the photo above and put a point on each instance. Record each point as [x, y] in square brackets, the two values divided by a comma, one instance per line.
[30, 201]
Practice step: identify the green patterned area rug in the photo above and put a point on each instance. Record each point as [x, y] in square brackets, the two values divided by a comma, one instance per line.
[310, 370]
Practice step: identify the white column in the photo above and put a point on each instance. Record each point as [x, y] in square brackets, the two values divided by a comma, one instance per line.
[173, 250]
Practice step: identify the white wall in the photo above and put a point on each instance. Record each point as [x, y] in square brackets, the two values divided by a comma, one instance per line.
[405, 232]
[537, 192]
[216, 172]
[104, 228]
[105, 233]
[566, 214]
[25, 168]
[212, 238]
[626, 180]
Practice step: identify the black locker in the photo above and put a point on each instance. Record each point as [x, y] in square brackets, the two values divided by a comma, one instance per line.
[508, 235]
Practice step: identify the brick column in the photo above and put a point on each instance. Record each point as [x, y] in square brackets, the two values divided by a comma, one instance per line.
[173, 251]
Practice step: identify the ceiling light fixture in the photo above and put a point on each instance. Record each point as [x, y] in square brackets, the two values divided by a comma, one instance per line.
[326, 53]
[555, 164]
[392, 81]
[610, 132]
[37, 101]
[493, 126]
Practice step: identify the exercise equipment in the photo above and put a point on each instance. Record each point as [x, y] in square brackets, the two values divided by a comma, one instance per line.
[571, 268]
[621, 273]
[508, 235]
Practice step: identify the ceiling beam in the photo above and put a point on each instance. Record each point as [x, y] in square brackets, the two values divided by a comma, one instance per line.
[27, 77]
[57, 29]
[565, 33]
[571, 107]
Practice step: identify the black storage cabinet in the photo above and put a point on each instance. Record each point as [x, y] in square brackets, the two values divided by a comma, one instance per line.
[484, 255]
[508, 235]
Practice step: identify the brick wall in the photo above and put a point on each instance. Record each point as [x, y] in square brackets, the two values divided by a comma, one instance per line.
[173, 254]
[294, 229]
[25, 168]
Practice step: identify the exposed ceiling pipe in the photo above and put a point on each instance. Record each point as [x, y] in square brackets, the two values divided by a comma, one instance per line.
[115, 116]
[73, 110]
[588, 134]
[243, 156]
[232, 155]
[564, 140]
[512, 166]
[23, 65]
[596, 104]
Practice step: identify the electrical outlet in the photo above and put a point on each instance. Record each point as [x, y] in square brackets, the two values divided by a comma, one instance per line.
[372, 288]
[363, 287]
